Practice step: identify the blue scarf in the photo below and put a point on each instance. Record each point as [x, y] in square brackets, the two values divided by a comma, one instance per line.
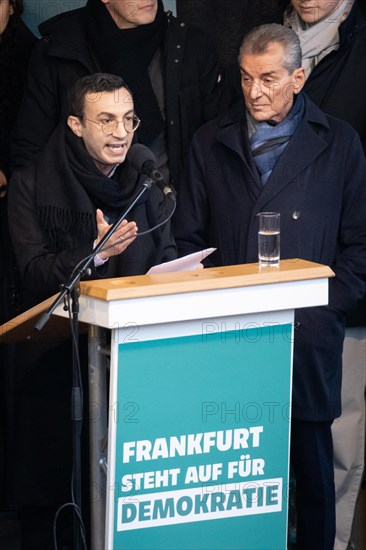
[268, 142]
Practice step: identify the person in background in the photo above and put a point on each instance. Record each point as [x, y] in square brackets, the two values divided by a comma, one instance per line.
[277, 151]
[61, 207]
[333, 42]
[171, 68]
[16, 43]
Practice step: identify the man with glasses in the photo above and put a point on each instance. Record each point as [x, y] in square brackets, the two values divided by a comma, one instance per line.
[64, 204]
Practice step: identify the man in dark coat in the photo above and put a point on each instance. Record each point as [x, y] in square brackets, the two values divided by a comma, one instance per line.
[333, 40]
[280, 153]
[60, 209]
[171, 69]
[62, 205]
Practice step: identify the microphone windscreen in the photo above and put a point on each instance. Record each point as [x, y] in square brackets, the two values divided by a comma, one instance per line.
[139, 154]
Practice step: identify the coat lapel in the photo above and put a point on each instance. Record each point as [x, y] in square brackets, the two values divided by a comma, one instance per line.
[304, 147]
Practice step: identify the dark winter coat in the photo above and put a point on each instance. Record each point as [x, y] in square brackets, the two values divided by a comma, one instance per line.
[318, 186]
[191, 78]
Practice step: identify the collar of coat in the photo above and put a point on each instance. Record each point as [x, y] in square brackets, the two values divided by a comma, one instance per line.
[230, 124]
[309, 141]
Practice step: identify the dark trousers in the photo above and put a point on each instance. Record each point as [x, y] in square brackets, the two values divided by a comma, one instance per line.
[312, 463]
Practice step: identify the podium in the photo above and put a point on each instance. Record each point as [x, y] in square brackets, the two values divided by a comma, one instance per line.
[199, 368]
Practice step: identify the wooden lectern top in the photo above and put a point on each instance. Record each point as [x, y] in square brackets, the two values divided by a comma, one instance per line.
[21, 328]
[213, 278]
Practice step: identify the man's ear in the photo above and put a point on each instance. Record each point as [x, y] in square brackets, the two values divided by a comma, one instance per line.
[75, 124]
[11, 8]
[299, 75]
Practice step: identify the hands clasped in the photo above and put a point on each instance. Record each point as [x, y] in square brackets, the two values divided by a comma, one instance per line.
[124, 235]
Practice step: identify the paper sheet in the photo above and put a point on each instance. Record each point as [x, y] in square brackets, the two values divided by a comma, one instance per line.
[190, 262]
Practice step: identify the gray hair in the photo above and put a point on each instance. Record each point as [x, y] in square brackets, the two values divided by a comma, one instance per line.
[256, 42]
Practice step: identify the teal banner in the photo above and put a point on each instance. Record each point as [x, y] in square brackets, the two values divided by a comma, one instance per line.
[202, 441]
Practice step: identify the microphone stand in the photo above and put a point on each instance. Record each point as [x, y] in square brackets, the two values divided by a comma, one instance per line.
[72, 288]
[76, 414]
[66, 288]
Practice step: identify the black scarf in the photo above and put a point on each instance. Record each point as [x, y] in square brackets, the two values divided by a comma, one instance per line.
[75, 187]
[128, 53]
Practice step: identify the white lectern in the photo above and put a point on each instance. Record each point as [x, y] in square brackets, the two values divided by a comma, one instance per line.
[198, 407]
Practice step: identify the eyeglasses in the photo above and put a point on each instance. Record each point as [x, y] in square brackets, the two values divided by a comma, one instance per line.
[130, 124]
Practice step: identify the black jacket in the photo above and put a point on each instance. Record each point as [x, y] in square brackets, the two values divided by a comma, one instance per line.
[318, 186]
[193, 85]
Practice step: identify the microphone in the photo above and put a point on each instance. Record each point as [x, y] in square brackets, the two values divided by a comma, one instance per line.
[143, 160]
